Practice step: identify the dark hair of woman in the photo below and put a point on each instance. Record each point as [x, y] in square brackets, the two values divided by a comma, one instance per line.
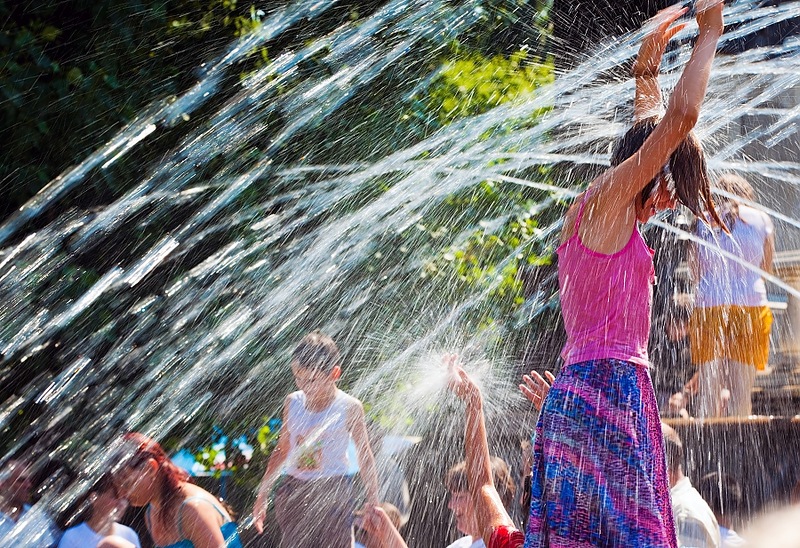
[687, 169]
[738, 187]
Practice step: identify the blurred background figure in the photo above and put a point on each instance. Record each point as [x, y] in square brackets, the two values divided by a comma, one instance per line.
[695, 523]
[96, 517]
[392, 483]
[724, 496]
[672, 362]
[778, 529]
[731, 322]
[20, 524]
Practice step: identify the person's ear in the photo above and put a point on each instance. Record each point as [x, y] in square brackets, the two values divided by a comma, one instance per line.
[336, 372]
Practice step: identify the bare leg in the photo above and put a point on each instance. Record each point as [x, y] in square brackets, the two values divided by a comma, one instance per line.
[709, 391]
[741, 379]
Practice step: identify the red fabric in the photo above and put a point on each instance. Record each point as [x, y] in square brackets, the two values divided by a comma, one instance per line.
[506, 537]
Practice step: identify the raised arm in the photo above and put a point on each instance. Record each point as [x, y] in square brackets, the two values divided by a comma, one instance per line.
[489, 510]
[366, 460]
[648, 100]
[683, 110]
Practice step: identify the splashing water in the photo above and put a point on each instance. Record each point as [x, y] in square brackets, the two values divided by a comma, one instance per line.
[251, 231]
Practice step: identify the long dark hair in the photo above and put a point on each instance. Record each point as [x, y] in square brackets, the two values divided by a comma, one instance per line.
[82, 509]
[687, 169]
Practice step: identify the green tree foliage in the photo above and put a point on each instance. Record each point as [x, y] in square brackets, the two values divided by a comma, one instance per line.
[472, 84]
[490, 255]
[72, 73]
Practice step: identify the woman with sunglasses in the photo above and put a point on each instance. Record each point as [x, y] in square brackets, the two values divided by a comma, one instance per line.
[179, 514]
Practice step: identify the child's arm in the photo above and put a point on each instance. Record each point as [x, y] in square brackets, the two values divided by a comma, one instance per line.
[648, 100]
[490, 513]
[276, 460]
[366, 461]
[380, 529]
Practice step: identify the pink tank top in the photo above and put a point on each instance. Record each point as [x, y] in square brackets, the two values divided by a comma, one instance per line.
[605, 299]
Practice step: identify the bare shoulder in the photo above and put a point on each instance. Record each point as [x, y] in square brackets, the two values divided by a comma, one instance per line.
[351, 402]
[568, 229]
[200, 507]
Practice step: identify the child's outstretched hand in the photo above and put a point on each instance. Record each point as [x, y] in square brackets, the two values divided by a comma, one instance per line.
[709, 15]
[536, 387]
[259, 515]
[382, 533]
[655, 43]
[458, 382]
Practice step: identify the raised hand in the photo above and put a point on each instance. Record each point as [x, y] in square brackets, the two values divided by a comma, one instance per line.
[259, 515]
[382, 532]
[536, 387]
[655, 43]
[458, 382]
[709, 15]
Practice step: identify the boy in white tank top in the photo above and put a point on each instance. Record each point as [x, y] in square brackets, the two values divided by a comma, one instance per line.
[314, 502]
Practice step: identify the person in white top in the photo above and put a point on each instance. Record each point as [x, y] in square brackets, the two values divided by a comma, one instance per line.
[461, 505]
[102, 506]
[730, 326]
[314, 502]
[695, 524]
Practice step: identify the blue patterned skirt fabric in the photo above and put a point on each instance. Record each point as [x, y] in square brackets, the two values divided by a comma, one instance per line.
[599, 476]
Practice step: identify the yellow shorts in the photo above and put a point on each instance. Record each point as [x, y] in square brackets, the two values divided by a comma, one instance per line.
[739, 333]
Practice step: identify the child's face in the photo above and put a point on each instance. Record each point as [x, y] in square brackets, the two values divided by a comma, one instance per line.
[315, 382]
[460, 504]
[109, 503]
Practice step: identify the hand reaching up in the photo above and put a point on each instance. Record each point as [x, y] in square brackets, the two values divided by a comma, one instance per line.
[382, 532]
[459, 382]
[655, 43]
[536, 387]
[709, 15]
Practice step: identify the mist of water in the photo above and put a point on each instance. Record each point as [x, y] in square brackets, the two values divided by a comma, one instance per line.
[278, 245]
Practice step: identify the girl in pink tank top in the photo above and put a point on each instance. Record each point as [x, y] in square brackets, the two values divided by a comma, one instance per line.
[599, 476]
[605, 298]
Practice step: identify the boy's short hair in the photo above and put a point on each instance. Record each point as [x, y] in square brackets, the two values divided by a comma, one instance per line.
[456, 480]
[317, 351]
[673, 448]
[722, 493]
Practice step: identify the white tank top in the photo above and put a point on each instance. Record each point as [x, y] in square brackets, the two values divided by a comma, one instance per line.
[318, 441]
[724, 281]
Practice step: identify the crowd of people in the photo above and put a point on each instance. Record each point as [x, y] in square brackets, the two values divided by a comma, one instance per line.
[604, 470]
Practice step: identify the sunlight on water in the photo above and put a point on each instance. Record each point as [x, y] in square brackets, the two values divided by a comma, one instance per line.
[298, 255]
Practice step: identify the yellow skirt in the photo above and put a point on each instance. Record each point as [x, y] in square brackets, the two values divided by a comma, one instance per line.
[739, 333]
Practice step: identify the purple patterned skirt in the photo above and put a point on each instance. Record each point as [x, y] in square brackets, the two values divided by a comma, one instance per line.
[599, 475]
